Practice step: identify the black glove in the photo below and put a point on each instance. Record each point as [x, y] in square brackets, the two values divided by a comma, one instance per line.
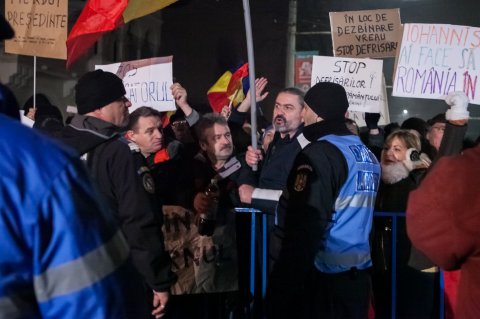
[371, 119]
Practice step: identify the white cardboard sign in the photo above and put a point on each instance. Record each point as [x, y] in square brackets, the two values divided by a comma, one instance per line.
[146, 81]
[361, 78]
[435, 59]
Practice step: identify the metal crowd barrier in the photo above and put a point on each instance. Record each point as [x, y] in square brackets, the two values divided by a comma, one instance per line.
[394, 216]
[263, 224]
[253, 232]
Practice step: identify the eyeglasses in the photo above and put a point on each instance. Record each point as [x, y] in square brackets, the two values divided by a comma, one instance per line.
[439, 128]
[179, 123]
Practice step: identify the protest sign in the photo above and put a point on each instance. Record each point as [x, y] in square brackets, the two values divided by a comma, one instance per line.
[367, 33]
[435, 59]
[40, 27]
[359, 117]
[25, 120]
[361, 78]
[203, 264]
[146, 81]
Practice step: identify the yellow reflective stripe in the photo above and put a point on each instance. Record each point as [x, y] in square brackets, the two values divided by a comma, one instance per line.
[82, 272]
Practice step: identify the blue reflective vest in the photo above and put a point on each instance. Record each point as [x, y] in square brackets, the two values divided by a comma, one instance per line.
[60, 257]
[346, 244]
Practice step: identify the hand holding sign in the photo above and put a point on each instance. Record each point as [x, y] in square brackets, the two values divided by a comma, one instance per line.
[179, 95]
[147, 82]
[457, 113]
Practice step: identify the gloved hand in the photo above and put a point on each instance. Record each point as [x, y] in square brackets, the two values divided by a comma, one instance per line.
[371, 119]
[415, 160]
[458, 102]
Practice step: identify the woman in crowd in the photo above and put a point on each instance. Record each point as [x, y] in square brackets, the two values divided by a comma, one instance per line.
[403, 167]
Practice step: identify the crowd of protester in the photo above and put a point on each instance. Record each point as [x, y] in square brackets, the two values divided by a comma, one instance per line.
[85, 240]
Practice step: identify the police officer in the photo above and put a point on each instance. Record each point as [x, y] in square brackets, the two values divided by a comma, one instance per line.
[62, 254]
[325, 215]
[121, 175]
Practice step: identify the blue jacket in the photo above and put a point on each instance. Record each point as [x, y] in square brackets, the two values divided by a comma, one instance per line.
[60, 256]
[274, 172]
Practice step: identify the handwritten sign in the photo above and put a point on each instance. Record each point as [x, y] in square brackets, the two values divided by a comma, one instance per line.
[367, 33]
[435, 59]
[361, 78]
[25, 120]
[203, 264]
[359, 117]
[146, 81]
[40, 27]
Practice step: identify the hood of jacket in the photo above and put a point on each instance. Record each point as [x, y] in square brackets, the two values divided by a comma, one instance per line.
[84, 133]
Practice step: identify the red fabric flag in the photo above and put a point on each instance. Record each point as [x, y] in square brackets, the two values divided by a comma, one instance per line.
[217, 96]
[236, 80]
[98, 17]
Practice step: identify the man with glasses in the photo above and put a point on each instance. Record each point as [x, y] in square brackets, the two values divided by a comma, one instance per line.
[446, 131]
[436, 128]
[121, 176]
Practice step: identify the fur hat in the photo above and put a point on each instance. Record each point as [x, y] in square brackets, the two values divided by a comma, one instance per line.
[96, 89]
[328, 100]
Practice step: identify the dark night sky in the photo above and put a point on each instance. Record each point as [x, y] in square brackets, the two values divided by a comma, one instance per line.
[208, 36]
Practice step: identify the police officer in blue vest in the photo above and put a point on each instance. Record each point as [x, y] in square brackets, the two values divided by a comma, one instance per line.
[324, 217]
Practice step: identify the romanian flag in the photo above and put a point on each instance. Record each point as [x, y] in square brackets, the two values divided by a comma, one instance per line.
[230, 89]
[100, 16]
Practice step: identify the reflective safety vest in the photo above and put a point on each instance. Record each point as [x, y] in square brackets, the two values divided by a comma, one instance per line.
[346, 244]
[60, 255]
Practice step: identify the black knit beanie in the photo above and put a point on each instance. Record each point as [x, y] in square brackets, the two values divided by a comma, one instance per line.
[439, 118]
[96, 89]
[328, 100]
[417, 124]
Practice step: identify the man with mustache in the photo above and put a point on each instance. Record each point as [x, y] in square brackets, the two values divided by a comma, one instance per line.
[217, 174]
[325, 215]
[275, 164]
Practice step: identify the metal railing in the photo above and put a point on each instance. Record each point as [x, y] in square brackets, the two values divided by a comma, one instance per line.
[395, 216]
[255, 213]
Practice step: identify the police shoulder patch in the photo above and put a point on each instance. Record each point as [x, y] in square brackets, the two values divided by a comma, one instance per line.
[148, 183]
[301, 178]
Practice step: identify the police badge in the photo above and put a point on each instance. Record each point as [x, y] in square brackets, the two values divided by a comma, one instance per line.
[302, 177]
[300, 182]
[148, 183]
[147, 179]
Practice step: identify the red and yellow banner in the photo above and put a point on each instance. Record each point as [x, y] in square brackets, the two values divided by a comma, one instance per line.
[100, 16]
